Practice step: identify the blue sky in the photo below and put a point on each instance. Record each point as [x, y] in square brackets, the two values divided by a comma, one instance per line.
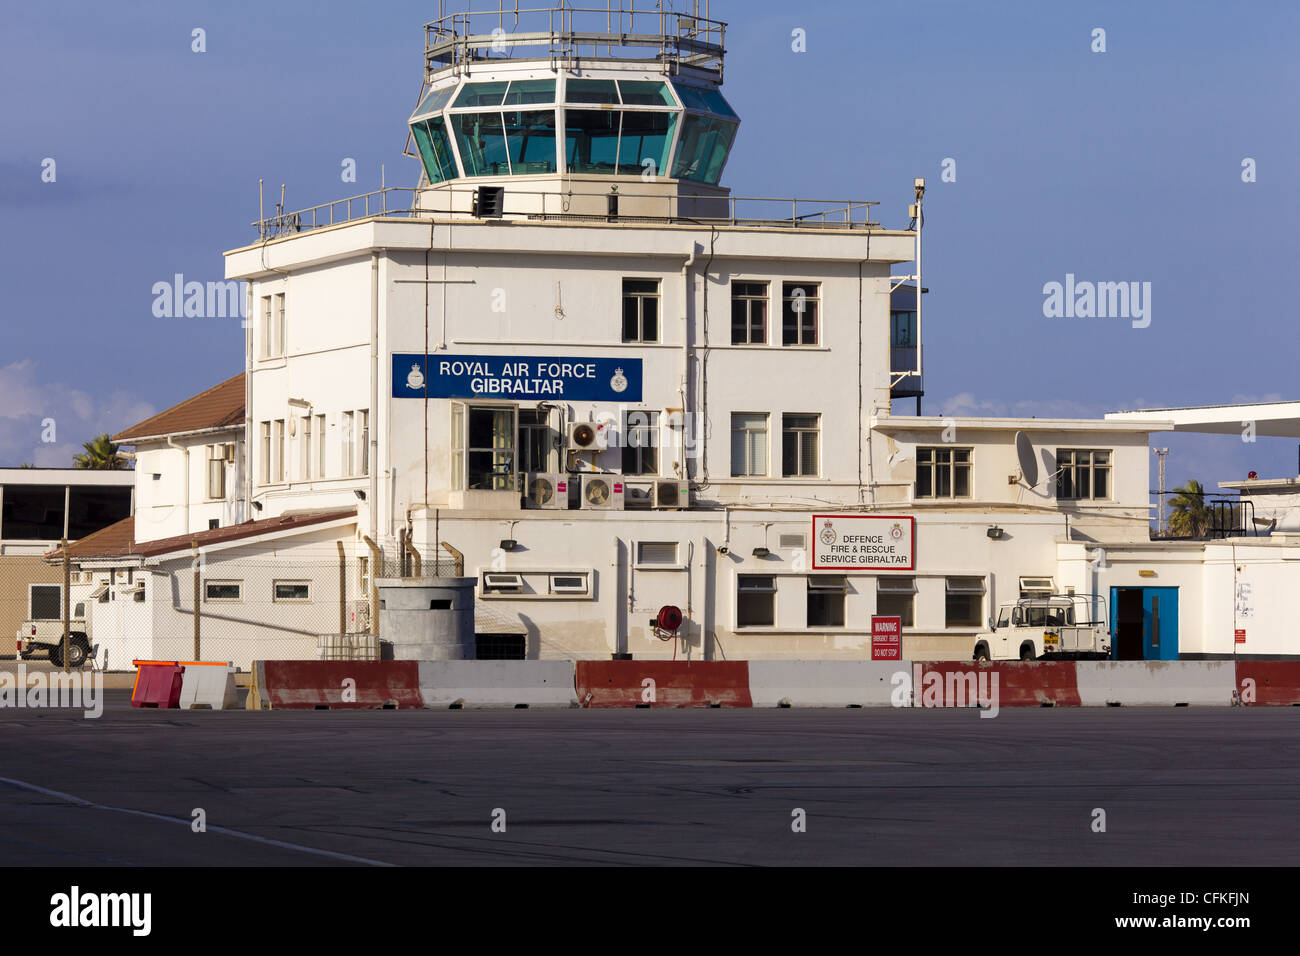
[1115, 166]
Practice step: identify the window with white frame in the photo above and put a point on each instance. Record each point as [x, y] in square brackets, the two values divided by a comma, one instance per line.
[640, 310]
[320, 446]
[1082, 474]
[266, 452]
[216, 472]
[291, 591]
[896, 597]
[457, 457]
[268, 331]
[363, 451]
[661, 554]
[641, 442]
[348, 459]
[755, 600]
[281, 333]
[800, 313]
[219, 591]
[826, 595]
[943, 472]
[483, 447]
[273, 332]
[963, 602]
[799, 445]
[497, 582]
[277, 433]
[308, 458]
[568, 583]
[749, 455]
[749, 313]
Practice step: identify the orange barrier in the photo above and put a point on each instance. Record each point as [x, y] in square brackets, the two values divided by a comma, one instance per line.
[334, 685]
[663, 683]
[157, 684]
[1268, 682]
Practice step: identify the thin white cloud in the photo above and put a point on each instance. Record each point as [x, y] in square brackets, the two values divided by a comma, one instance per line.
[28, 400]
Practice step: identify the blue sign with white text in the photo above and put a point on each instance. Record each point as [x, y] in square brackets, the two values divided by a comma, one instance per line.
[516, 377]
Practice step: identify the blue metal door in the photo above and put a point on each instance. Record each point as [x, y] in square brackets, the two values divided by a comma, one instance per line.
[1160, 624]
[1144, 624]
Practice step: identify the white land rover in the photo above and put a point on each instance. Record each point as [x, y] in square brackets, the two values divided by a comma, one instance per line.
[1055, 627]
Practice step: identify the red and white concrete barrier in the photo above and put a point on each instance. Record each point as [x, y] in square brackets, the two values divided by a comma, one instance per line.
[663, 683]
[1156, 683]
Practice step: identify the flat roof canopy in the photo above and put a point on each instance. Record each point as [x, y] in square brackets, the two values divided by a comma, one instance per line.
[1271, 419]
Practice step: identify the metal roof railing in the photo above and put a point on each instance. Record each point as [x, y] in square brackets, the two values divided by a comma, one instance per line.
[565, 33]
[540, 206]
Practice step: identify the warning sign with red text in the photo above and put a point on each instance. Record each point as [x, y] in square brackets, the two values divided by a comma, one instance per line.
[886, 638]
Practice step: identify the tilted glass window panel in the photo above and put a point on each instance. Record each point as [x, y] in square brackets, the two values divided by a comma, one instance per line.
[481, 94]
[645, 136]
[645, 93]
[591, 91]
[435, 149]
[525, 92]
[702, 152]
[591, 140]
[692, 97]
[432, 103]
[530, 137]
[717, 103]
[482, 142]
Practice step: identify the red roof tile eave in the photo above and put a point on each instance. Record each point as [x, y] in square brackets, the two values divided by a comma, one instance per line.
[221, 406]
[183, 542]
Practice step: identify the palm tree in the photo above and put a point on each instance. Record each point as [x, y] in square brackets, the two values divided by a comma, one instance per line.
[1189, 515]
[101, 455]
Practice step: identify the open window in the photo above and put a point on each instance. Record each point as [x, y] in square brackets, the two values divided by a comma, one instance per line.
[502, 583]
[569, 583]
[896, 597]
[826, 593]
[1036, 587]
[483, 447]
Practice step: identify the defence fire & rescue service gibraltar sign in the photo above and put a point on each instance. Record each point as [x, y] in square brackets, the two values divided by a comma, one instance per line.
[864, 543]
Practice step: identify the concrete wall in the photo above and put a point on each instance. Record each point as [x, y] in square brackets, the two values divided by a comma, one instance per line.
[176, 501]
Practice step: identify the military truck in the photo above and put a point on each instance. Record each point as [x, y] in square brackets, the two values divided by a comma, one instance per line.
[1050, 627]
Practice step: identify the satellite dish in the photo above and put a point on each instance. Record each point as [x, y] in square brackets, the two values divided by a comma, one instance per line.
[1028, 463]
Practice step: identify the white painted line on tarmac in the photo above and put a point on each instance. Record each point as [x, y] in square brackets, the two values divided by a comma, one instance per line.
[225, 831]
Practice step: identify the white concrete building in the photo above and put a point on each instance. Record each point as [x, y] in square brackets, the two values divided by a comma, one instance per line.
[573, 362]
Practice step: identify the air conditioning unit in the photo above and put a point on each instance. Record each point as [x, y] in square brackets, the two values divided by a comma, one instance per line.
[588, 436]
[672, 495]
[546, 490]
[602, 492]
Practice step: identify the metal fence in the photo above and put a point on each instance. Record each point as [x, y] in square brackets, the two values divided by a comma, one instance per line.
[318, 603]
[1204, 517]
